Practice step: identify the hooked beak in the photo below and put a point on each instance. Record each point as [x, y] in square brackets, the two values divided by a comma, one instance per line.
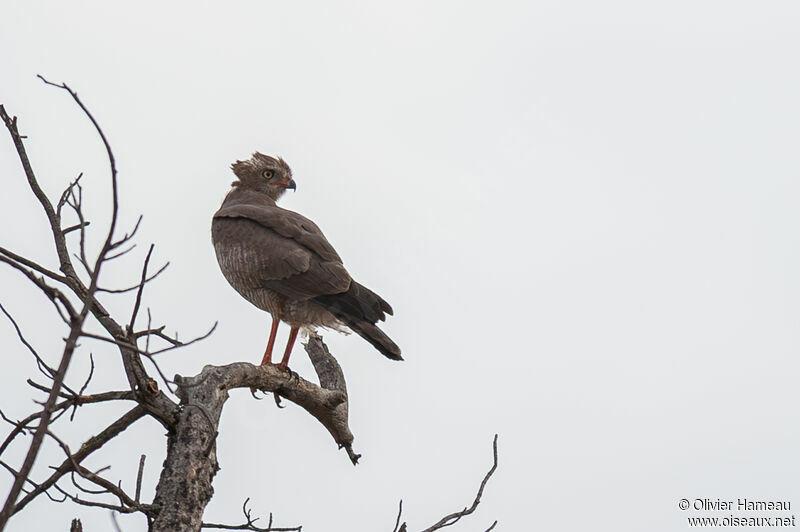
[291, 184]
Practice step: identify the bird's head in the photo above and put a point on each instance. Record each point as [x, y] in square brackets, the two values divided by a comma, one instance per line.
[265, 174]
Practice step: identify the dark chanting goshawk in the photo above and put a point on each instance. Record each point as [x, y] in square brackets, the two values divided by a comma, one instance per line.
[281, 262]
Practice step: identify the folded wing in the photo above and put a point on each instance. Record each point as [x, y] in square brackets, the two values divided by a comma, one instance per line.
[283, 251]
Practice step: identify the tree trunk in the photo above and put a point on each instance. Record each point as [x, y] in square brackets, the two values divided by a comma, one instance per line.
[184, 488]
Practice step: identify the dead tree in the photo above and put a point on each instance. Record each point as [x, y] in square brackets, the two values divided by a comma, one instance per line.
[189, 408]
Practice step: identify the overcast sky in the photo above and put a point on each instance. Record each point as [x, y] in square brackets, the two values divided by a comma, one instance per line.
[585, 215]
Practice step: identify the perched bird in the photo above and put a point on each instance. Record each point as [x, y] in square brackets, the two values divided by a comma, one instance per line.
[281, 262]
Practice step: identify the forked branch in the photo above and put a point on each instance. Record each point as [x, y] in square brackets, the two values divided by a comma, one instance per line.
[250, 523]
[192, 444]
[454, 517]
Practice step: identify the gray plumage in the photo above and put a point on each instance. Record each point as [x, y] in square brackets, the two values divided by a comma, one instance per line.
[282, 263]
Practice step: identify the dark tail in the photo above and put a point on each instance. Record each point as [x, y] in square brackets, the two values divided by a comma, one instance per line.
[376, 337]
[360, 308]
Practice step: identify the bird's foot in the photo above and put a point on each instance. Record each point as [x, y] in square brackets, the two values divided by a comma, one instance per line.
[293, 375]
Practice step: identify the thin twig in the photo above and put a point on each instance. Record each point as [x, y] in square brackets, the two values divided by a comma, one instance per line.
[75, 201]
[139, 478]
[136, 286]
[72, 228]
[53, 294]
[33, 265]
[175, 343]
[399, 514]
[29, 481]
[97, 504]
[21, 426]
[141, 288]
[52, 216]
[250, 523]
[41, 364]
[455, 516]
[121, 253]
[85, 385]
[68, 391]
[64, 199]
[91, 445]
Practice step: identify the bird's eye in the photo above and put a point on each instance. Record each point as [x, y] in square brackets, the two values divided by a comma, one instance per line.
[267, 174]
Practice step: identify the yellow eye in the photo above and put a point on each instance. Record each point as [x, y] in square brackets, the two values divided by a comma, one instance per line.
[267, 174]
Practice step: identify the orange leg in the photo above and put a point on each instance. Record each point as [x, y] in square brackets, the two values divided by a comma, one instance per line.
[267, 360]
[292, 337]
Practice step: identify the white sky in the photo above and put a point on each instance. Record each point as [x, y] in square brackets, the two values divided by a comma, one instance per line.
[584, 214]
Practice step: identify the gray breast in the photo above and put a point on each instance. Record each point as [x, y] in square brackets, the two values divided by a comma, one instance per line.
[241, 263]
[250, 256]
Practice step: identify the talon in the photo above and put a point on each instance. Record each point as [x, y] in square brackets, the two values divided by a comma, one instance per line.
[293, 375]
[253, 392]
[277, 400]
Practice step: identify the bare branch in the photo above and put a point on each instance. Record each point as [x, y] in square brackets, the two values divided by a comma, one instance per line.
[250, 526]
[117, 528]
[106, 485]
[85, 385]
[127, 345]
[151, 400]
[322, 403]
[141, 289]
[23, 425]
[121, 253]
[136, 286]
[111, 162]
[88, 377]
[41, 364]
[65, 196]
[96, 504]
[53, 294]
[250, 523]
[52, 216]
[85, 490]
[331, 377]
[455, 516]
[75, 227]
[128, 236]
[29, 481]
[399, 515]
[153, 332]
[158, 331]
[110, 487]
[66, 268]
[32, 265]
[75, 201]
[45, 389]
[139, 478]
[90, 446]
